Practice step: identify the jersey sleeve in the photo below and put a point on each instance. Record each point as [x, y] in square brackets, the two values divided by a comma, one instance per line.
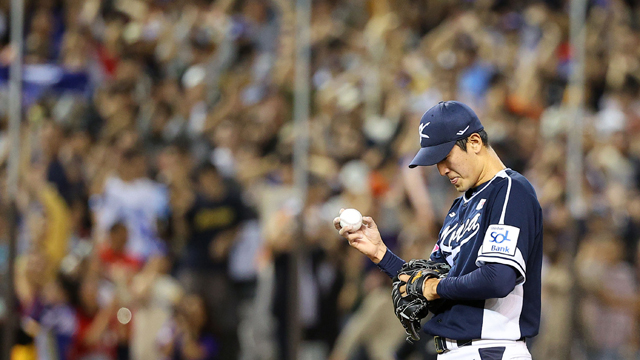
[390, 264]
[436, 254]
[513, 223]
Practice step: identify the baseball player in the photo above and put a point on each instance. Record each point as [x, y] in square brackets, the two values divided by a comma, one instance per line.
[491, 239]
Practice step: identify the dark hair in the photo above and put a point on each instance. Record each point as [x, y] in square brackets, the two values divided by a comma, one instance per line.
[462, 143]
[204, 168]
[132, 153]
[117, 226]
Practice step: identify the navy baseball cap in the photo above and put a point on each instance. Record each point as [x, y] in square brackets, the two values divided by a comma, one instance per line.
[440, 128]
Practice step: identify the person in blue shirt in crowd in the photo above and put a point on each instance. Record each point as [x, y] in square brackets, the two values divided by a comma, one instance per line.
[491, 238]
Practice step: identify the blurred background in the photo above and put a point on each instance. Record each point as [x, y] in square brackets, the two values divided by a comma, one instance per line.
[157, 172]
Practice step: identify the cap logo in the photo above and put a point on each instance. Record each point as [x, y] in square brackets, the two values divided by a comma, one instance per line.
[422, 126]
[462, 131]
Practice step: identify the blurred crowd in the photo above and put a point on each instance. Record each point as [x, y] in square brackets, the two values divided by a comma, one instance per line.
[157, 177]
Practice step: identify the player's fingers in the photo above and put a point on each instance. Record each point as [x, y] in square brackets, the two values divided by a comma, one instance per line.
[404, 277]
[346, 230]
[357, 244]
[349, 235]
[403, 290]
[336, 223]
[354, 239]
[368, 221]
[341, 210]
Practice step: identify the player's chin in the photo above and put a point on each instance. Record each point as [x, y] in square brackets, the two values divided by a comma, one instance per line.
[460, 188]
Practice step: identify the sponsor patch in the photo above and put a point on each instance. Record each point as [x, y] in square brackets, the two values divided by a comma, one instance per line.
[501, 239]
[481, 204]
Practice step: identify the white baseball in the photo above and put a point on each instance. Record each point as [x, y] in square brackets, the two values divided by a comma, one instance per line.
[124, 315]
[351, 217]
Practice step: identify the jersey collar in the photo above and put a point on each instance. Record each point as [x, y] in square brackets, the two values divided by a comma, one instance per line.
[471, 193]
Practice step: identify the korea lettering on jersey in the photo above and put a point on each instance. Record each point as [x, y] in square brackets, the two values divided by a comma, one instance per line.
[499, 223]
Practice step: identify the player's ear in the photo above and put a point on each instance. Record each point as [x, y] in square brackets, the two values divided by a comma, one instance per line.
[474, 143]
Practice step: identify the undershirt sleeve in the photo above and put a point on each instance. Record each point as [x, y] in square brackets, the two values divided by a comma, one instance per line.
[490, 281]
[390, 264]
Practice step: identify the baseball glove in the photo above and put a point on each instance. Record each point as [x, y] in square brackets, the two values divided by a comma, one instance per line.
[414, 306]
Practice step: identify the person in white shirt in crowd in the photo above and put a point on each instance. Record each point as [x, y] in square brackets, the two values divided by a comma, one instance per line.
[130, 196]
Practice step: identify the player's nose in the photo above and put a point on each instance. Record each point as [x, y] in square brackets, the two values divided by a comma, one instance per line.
[442, 168]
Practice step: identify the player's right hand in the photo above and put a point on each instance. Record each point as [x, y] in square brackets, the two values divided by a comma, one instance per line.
[367, 239]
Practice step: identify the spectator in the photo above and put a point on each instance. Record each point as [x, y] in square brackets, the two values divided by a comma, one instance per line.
[138, 201]
[113, 255]
[155, 295]
[186, 336]
[608, 302]
[95, 337]
[55, 325]
[211, 225]
[378, 334]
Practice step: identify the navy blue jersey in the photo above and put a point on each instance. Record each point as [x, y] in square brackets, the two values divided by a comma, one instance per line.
[498, 222]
